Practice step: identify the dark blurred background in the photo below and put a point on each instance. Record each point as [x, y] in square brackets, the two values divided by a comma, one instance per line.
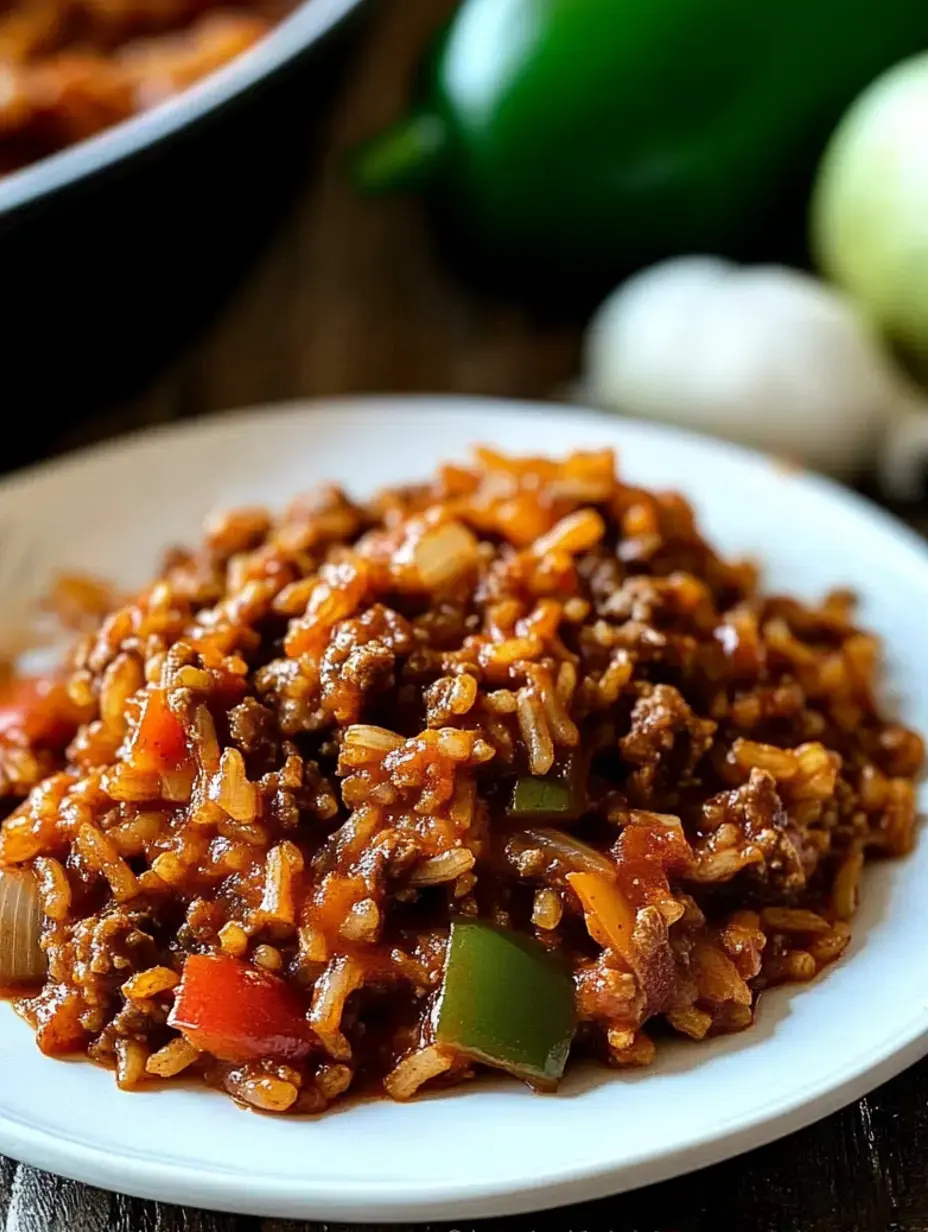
[235, 264]
[240, 268]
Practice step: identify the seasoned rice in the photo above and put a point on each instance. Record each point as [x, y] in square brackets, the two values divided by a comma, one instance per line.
[296, 750]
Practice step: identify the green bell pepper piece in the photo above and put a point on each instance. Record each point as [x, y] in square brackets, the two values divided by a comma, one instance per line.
[556, 798]
[559, 797]
[505, 1001]
[597, 135]
[536, 797]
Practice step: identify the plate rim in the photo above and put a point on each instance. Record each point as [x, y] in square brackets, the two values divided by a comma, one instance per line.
[372, 406]
[210, 1189]
[371, 1201]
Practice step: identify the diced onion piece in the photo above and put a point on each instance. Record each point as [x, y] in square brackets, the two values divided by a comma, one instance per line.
[362, 922]
[444, 553]
[572, 852]
[231, 789]
[21, 958]
[446, 867]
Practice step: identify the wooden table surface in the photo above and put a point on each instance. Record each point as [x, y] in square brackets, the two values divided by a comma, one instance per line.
[350, 296]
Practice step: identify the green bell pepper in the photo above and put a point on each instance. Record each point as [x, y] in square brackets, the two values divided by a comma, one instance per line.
[559, 796]
[505, 1001]
[534, 798]
[598, 135]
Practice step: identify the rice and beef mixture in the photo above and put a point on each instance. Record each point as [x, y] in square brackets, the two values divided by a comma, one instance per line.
[487, 771]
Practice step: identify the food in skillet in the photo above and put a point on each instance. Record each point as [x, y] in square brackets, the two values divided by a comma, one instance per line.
[71, 68]
[495, 771]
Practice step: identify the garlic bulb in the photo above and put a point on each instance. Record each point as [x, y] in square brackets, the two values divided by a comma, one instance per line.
[764, 355]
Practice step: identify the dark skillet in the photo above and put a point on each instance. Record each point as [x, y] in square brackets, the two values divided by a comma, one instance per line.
[114, 252]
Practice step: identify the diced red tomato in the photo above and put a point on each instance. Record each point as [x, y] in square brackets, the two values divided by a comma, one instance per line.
[39, 709]
[237, 1013]
[160, 742]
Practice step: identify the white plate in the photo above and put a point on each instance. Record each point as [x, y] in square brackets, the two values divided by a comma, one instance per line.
[494, 1148]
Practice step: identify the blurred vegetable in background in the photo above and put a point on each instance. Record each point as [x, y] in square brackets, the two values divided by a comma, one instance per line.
[764, 355]
[870, 208]
[598, 135]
